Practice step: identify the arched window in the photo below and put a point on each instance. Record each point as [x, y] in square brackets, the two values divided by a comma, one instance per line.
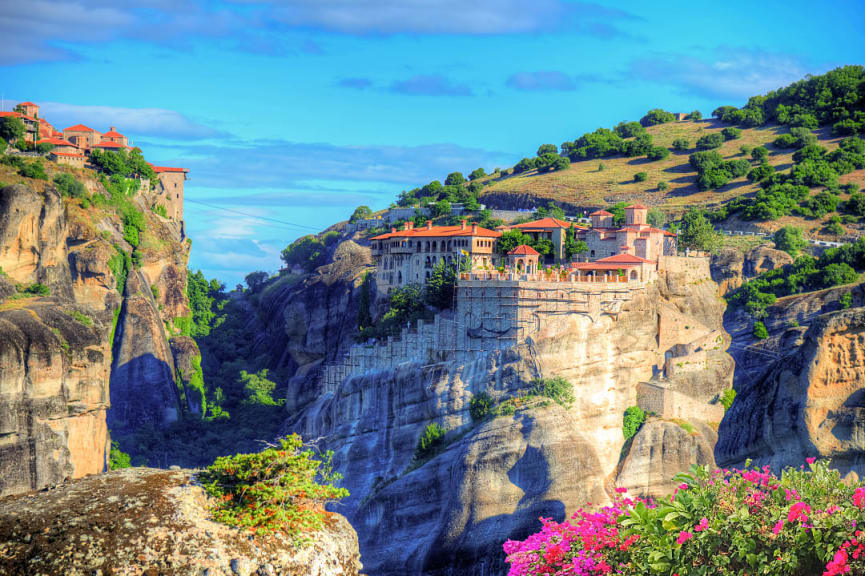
[592, 254]
[633, 274]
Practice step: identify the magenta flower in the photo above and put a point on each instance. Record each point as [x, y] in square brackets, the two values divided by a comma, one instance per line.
[859, 497]
[704, 523]
[810, 460]
[684, 536]
[778, 527]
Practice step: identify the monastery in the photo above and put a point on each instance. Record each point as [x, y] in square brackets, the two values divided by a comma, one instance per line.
[73, 145]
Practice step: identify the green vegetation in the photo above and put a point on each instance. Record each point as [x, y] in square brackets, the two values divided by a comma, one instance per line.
[123, 163]
[640, 177]
[681, 144]
[430, 443]
[727, 398]
[481, 406]
[663, 186]
[632, 420]
[405, 307]
[558, 390]
[33, 170]
[696, 232]
[160, 210]
[731, 133]
[118, 459]
[713, 172]
[79, 317]
[119, 264]
[760, 332]
[477, 173]
[360, 213]
[846, 300]
[710, 141]
[68, 186]
[790, 240]
[657, 116]
[283, 488]
[256, 280]
[258, 389]
[11, 129]
[35, 289]
[202, 295]
[309, 252]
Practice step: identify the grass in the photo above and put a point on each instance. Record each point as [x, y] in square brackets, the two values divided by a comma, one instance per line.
[582, 184]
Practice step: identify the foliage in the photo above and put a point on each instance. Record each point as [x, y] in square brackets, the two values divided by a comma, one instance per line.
[256, 280]
[727, 398]
[524, 165]
[760, 332]
[632, 420]
[629, 129]
[79, 317]
[405, 306]
[759, 154]
[360, 213]
[598, 144]
[160, 210]
[202, 294]
[681, 144]
[477, 173]
[118, 459]
[846, 300]
[547, 149]
[33, 170]
[35, 289]
[725, 523]
[308, 252]
[731, 133]
[695, 115]
[696, 232]
[119, 264]
[662, 186]
[440, 287]
[789, 239]
[481, 406]
[640, 177]
[657, 116]
[761, 172]
[455, 179]
[11, 128]
[573, 247]
[558, 390]
[259, 389]
[123, 163]
[710, 141]
[655, 217]
[657, 153]
[639, 146]
[282, 488]
[431, 442]
[510, 239]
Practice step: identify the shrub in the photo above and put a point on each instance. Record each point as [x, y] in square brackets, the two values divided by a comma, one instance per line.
[655, 217]
[282, 488]
[657, 116]
[834, 226]
[745, 149]
[524, 165]
[697, 232]
[629, 129]
[36, 289]
[431, 442]
[558, 390]
[360, 213]
[710, 141]
[632, 420]
[761, 172]
[68, 186]
[657, 153]
[118, 459]
[480, 406]
[478, 173]
[33, 170]
[695, 115]
[640, 177]
[846, 300]
[789, 239]
[760, 331]
[731, 133]
[78, 316]
[805, 522]
[681, 144]
[760, 153]
[727, 398]
[662, 186]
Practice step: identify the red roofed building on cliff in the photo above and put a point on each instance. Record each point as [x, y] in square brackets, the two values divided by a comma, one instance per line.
[409, 255]
[635, 238]
[548, 228]
[170, 189]
[82, 136]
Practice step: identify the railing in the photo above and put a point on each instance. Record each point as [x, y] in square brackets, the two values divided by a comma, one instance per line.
[554, 277]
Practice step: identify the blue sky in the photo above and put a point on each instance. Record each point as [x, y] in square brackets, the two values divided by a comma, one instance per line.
[300, 110]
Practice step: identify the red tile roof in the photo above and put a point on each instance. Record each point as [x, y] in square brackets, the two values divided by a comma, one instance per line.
[112, 134]
[109, 144]
[27, 104]
[623, 259]
[636, 207]
[439, 231]
[12, 114]
[69, 154]
[159, 169]
[548, 222]
[79, 128]
[601, 213]
[55, 142]
[523, 250]
[598, 265]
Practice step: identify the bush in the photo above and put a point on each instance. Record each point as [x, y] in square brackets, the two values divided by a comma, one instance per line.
[657, 153]
[657, 116]
[282, 488]
[558, 390]
[35, 289]
[361, 213]
[481, 406]
[702, 161]
[790, 240]
[655, 217]
[760, 331]
[68, 186]
[477, 173]
[695, 115]
[726, 522]
[696, 232]
[640, 177]
[431, 442]
[745, 150]
[662, 186]
[524, 165]
[632, 420]
[834, 226]
[118, 459]
[629, 129]
[759, 154]
[710, 141]
[639, 146]
[33, 170]
[761, 172]
[846, 301]
[727, 398]
[681, 144]
[731, 133]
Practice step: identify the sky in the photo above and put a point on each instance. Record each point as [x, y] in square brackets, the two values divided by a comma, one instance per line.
[290, 113]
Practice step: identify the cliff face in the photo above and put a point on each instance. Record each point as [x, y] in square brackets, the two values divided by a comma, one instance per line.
[800, 392]
[144, 521]
[58, 351]
[449, 515]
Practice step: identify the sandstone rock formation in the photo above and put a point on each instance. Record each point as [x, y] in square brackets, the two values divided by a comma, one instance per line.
[731, 267]
[144, 521]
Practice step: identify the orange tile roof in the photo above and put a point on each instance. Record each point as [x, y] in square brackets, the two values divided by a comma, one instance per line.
[69, 154]
[112, 134]
[79, 128]
[448, 231]
[109, 144]
[636, 207]
[623, 259]
[27, 104]
[523, 250]
[601, 265]
[159, 169]
[547, 222]
[601, 213]
[12, 114]
[55, 142]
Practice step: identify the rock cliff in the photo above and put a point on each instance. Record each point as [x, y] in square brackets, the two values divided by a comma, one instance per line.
[494, 478]
[89, 316]
[144, 521]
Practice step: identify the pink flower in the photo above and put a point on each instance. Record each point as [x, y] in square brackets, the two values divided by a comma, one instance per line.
[798, 511]
[859, 497]
[810, 460]
[684, 537]
[683, 486]
[778, 527]
[704, 523]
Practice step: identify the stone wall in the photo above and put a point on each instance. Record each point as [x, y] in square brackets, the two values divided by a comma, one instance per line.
[657, 398]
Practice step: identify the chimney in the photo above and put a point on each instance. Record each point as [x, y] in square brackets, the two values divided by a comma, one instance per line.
[463, 224]
[406, 226]
[410, 225]
[474, 227]
[113, 129]
[392, 230]
[429, 224]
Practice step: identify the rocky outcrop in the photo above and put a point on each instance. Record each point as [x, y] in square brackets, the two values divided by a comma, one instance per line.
[808, 403]
[450, 514]
[143, 521]
[58, 348]
[731, 267]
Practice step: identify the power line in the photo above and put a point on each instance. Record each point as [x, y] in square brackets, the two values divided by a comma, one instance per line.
[217, 207]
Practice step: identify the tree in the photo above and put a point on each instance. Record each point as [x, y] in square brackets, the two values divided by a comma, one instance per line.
[573, 246]
[477, 173]
[547, 149]
[33, 170]
[663, 186]
[433, 189]
[657, 116]
[360, 213]
[731, 133]
[43, 147]
[439, 291]
[11, 128]
[657, 153]
[440, 208]
[681, 144]
[640, 177]
[455, 179]
[695, 115]
[789, 239]
[255, 280]
[258, 389]
[759, 154]
[761, 172]
[524, 165]
[722, 110]
[629, 129]
[710, 141]
[760, 332]
[697, 232]
[511, 239]
[656, 218]
[632, 420]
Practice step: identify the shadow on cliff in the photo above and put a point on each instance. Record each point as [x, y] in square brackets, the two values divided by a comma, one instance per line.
[142, 393]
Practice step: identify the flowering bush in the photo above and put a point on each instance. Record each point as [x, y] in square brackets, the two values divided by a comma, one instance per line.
[276, 489]
[743, 522]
